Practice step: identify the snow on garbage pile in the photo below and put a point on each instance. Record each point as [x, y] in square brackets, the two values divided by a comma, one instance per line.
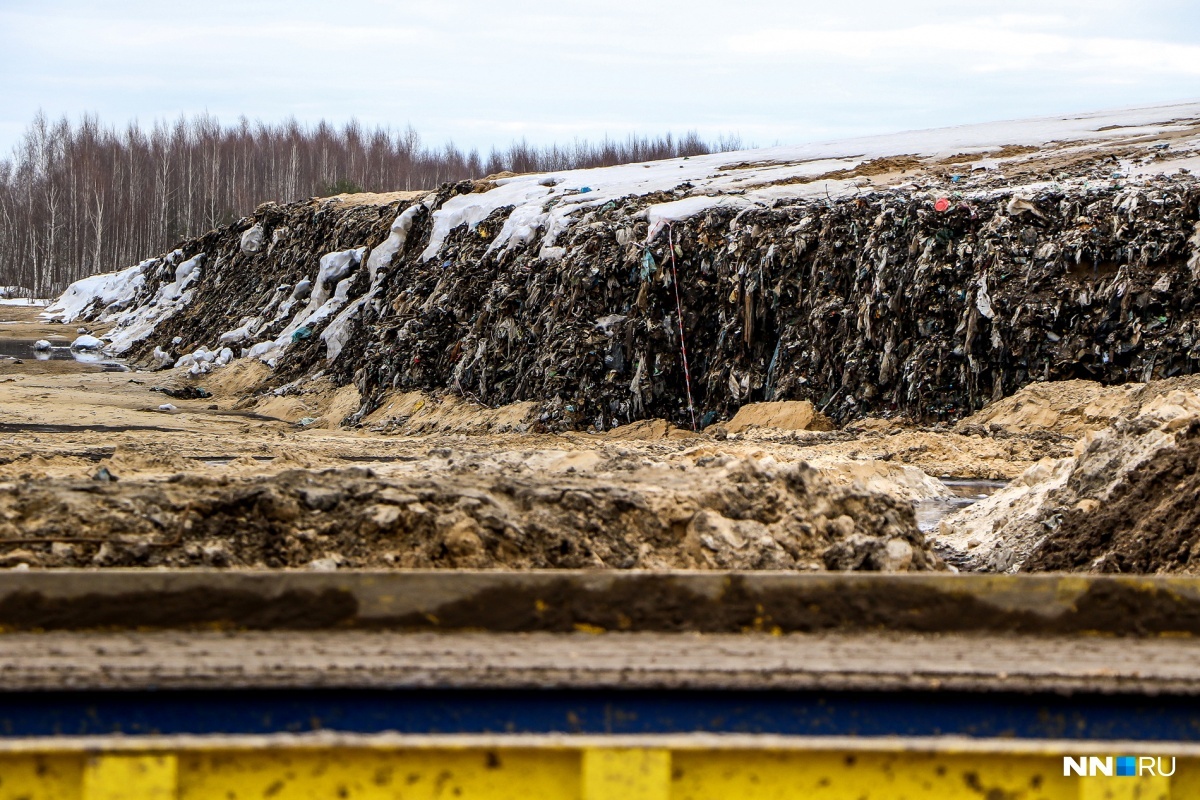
[111, 298]
[338, 332]
[108, 290]
[764, 175]
[323, 303]
[825, 273]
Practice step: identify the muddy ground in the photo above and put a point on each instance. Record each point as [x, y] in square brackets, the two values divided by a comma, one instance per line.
[1149, 523]
[102, 468]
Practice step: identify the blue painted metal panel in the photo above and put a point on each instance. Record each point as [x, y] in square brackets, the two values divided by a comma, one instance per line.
[1096, 717]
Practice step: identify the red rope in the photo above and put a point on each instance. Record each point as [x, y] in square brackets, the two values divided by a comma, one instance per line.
[687, 375]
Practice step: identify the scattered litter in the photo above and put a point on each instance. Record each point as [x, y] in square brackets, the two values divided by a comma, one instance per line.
[104, 475]
[185, 393]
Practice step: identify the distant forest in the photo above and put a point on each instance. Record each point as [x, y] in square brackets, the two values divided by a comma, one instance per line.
[81, 198]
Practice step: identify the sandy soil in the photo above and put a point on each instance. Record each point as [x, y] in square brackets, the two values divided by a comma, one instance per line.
[89, 456]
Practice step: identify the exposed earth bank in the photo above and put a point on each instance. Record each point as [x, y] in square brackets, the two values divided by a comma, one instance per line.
[105, 469]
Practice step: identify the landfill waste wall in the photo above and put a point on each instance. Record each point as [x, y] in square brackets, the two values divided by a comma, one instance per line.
[877, 304]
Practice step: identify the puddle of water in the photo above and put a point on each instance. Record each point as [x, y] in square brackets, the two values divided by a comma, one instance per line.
[23, 349]
[966, 492]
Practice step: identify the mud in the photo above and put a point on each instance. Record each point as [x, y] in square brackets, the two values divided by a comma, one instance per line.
[1150, 524]
[1003, 532]
[566, 602]
[724, 515]
[292, 610]
[649, 603]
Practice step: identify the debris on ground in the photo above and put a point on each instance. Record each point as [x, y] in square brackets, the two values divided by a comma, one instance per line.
[1003, 532]
[1149, 524]
[183, 392]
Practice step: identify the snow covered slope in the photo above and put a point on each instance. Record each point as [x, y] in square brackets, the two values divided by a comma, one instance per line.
[760, 177]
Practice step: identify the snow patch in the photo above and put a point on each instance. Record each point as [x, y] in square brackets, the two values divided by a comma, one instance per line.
[106, 290]
[472, 209]
[663, 213]
[383, 253]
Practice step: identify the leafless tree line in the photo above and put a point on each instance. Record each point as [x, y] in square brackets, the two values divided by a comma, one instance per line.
[80, 198]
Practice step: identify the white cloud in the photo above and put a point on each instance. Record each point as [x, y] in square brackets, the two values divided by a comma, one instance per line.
[983, 45]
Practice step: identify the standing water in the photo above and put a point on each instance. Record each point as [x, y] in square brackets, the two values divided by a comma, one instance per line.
[24, 349]
[965, 492]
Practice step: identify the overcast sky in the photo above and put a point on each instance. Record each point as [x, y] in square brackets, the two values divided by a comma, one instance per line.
[775, 71]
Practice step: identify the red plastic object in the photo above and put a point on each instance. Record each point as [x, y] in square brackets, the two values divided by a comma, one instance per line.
[942, 204]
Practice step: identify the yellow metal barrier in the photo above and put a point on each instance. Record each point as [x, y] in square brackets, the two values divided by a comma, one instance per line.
[532, 768]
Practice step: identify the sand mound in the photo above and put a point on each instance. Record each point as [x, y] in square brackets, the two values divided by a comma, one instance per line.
[129, 460]
[371, 198]
[1072, 408]
[1068, 407]
[421, 413]
[649, 430]
[790, 415]
[234, 381]
[895, 480]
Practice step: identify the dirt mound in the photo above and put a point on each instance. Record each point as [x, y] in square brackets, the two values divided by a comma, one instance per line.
[416, 413]
[1001, 532]
[730, 515]
[649, 430]
[1149, 524]
[129, 460]
[1067, 407]
[894, 480]
[1071, 408]
[788, 415]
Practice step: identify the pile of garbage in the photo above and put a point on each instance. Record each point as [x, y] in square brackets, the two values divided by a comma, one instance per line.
[924, 298]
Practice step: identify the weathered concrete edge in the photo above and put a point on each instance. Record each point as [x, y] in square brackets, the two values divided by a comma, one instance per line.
[596, 601]
[511, 679]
